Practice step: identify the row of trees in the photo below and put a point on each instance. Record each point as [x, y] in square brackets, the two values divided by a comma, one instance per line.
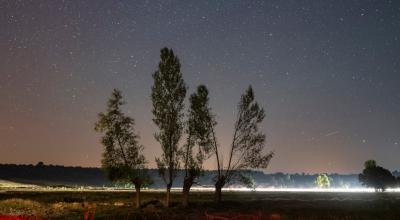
[372, 176]
[123, 159]
[86, 176]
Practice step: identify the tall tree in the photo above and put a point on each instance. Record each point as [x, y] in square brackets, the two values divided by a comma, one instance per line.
[168, 94]
[122, 160]
[246, 151]
[199, 124]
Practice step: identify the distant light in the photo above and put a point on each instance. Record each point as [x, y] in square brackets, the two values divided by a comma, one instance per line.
[344, 190]
[211, 189]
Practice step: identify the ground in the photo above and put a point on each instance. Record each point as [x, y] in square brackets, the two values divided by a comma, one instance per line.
[73, 204]
[5, 184]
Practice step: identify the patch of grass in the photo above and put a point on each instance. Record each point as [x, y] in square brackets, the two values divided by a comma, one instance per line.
[21, 207]
[120, 205]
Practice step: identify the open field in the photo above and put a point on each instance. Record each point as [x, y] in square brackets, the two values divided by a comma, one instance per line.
[72, 204]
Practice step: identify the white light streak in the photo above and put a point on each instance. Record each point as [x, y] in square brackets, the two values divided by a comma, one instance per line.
[322, 190]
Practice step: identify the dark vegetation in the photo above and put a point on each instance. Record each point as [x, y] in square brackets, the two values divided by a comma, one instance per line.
[123, 160]
[377, 177]
[168, 96]
[198, 134]
[80, 176]
[247, 150]
[54, 175]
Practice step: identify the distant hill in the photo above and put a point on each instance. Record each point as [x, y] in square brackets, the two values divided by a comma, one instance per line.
[54, 175]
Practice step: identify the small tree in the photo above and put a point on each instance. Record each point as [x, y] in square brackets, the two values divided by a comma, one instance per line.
[247, 181]
[398, 181]
[377, 177]
[247, 144]
[168, 94]
[198, 133]
[122, 160]
[323, 181]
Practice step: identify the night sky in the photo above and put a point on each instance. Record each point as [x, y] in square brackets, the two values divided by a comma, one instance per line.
[326, 72]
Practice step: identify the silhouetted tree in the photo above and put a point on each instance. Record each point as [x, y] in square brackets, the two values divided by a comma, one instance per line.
[370, 164]
[200, 120]
[168, 94]
[247, 144]
[376, 176]
[122, 160]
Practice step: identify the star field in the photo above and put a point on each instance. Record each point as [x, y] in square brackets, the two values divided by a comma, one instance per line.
[326, 72]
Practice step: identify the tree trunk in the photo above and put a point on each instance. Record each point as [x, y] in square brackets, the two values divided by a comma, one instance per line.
[218, 189]
[218, 193]
[137, 188]
[187, 183]
[167, 201]
[185, 196]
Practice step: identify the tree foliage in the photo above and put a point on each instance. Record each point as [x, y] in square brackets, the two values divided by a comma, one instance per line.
[199, 133]
[168, 94]
[323, 181]
[376, 176]
[122, 160]
[247, 181]
[247, 145]
[248, 140]
[370, 164]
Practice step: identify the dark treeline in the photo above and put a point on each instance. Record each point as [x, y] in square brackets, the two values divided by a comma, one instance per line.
[56, 175]
[53, 175]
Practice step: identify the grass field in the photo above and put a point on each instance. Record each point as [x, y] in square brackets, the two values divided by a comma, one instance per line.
[72, 204]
